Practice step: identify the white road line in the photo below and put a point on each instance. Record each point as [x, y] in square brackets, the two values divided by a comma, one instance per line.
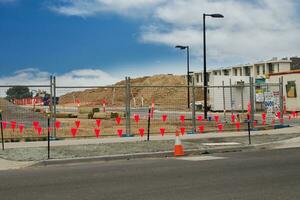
[221, 144]
[199, 158]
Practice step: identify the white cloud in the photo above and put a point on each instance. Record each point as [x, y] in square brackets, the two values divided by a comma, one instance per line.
[81, 77]
[92, 7]
[251, 30]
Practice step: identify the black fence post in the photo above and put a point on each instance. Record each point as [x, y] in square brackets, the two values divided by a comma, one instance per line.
[48, 139]
[149, 120]
[2, 136]
[249, 133]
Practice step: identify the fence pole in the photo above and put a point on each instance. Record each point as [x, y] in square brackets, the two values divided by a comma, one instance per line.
[127, 96]
[48, 138]
[281, 97]
[224, 103]
[2, 135]
[193, 106]
[54, 105]
[252, 101]
[51, 98]
[242, 97]
[231, 104]
[149, 121]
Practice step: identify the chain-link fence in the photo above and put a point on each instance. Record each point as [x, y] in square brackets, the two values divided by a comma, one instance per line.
[128, 109]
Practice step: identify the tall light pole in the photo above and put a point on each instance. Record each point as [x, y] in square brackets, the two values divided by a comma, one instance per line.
[187, 48]
[204, 59]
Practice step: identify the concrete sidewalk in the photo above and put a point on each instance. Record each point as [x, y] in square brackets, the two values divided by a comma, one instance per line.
[68, 142]
[7, 164]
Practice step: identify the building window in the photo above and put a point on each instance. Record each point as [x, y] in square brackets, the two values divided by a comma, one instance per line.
[215, 73]
[291, 91]
[264, 70]
[257, 70]
[201, 77]
[226, 72]
[235, 72]
[247, 71]
[241, 71]
[271, 68]
[197, 78]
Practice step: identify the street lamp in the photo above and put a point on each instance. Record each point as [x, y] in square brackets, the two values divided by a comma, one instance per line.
[187, 48]
[204, 59]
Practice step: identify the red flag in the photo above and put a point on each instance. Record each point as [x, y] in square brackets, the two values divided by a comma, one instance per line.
[74, 132]
[141, 131]
[39, 129]
[4, 125]
[35, 124]
[57, 124]
[182, 117]
[98, 122]
[97, 132]
[201, 129]
[77, 123]
[164, 118]
[21, 128]
[13, 125]
[238, 125]
[200, 118]
[120, 132]
[182, 130]
[162, 131]
[118, 120]
[137, 118]
[264, 116]
[278, 115]
[232, 118]
[217, 118]
[254, 123]
[220, 127]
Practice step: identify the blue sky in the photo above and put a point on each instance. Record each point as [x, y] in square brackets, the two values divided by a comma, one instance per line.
[111, 39]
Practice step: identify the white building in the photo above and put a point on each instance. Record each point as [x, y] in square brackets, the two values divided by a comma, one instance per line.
[262, 72]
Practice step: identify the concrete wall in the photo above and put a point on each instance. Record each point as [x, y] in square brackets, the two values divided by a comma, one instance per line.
[216, 94]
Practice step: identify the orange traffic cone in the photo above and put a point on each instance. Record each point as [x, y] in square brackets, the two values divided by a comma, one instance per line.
[178, 148]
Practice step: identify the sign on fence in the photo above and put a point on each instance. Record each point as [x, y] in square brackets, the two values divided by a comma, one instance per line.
[269, 104]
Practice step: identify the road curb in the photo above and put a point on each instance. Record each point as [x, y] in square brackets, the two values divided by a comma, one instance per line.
[162, 154]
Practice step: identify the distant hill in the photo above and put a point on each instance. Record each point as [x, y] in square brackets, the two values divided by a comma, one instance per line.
[164, 96]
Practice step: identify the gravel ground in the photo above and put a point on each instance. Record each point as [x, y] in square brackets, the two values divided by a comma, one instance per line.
[40, 153]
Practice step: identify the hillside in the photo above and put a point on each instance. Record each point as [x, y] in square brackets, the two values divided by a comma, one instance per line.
[164, 96]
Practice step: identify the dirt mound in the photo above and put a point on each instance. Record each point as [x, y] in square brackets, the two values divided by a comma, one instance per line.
[164, 89]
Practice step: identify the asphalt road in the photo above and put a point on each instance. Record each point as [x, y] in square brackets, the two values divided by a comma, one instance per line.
[252, 175]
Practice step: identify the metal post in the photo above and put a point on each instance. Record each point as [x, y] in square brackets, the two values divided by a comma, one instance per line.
[194, 106]
[149, 121]
[252, 101]
[2, 135]
[51, 100]
[188, 75]
[224, 101]
[242, 97]
[204, 68]
[249, 132]
[231, 103]
[54, 106]
[127, 96]
[48, 138]
[281, 96]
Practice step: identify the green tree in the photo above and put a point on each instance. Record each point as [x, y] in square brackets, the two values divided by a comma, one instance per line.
[18, 92]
